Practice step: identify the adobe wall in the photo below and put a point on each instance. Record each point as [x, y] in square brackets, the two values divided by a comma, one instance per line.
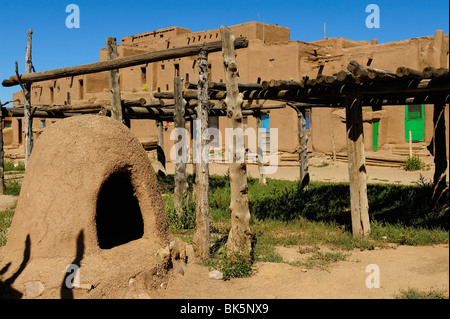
[270, 55]
[335, 54]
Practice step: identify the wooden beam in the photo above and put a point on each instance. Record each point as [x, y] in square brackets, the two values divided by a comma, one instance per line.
[262, 178]
[239, 239]
[26, 88]
[202, 236]
[114, 82]
[124, 62]
[160, 148]
[303, 148]
[181, 196]
[2, 154]
[357, 168]
[439, 150]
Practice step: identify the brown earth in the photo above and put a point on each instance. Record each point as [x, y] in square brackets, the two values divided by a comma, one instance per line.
[423, 268]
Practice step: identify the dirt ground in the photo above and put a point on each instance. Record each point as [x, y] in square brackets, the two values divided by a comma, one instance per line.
[423, 268]
[400, 268]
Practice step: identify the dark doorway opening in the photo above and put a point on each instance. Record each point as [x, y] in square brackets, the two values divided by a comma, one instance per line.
[118, 219]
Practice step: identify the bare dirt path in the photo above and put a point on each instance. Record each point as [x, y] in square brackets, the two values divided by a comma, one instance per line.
[422, 268]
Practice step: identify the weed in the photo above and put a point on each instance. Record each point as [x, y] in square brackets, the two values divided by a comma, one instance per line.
[412, 293]
[414, 163]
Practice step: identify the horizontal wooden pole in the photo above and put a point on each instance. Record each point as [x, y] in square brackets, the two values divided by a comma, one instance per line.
[148, 57]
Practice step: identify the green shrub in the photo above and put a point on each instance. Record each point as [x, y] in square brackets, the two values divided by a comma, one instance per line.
[236, 266]
[414, 163]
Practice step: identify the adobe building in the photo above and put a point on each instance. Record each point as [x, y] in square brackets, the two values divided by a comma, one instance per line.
[271, 54]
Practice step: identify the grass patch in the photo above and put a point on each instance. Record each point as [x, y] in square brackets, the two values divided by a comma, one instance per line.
[10, 165]
[412, 293]
[5, 222]
[321, 259]
[322, 164]
[12, 187]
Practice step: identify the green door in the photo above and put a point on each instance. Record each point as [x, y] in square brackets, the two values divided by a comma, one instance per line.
[414, 122]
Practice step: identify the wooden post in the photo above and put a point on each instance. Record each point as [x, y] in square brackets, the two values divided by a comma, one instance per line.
[239, 239]
[181, 197]
[160, 148]
[201, 241]
[262, 178]
[303, 148]
[2, 154]
[439, 151]
[28, 119]
[357, 168]
[114, 82]
[410, 145]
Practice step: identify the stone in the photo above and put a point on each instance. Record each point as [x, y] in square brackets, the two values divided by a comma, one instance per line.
[164, 254]
[174, 250]
[215, 275]
[34, 289]
[179, 270]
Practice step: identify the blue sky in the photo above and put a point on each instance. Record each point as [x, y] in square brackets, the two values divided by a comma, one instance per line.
[55, 46]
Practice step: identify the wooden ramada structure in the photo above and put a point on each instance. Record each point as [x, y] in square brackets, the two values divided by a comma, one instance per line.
[352, 89]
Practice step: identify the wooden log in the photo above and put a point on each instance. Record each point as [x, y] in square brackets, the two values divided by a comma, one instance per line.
[302, 149]
[428, 72]
[381, 74]
[441, 73]
[160, 148]
[409, 73]
[202, 236]
[344, 76]
[114, 81]
[440, 152]
[181, 196]
[262, 178]
[239, 239]
[124, 62]
[357, 70]
[2, 153]
[26, 88]
[222, 86]
[357, 168]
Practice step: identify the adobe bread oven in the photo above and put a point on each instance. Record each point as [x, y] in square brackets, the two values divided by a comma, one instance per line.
[89, 198]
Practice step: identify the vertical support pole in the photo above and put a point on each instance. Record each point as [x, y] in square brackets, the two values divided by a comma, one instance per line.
[160, 148]
[257, 115]
[439, 151]
[2, 154]
[114, 82]
[357, 168]
[201, 241]
[303, 148]
[239, 239]
[181, 197]
[28, 119]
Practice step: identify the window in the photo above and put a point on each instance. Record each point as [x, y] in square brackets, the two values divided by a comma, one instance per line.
[143, 75]
[187, 77]
[51, 96]
[415, 112]
[307, 119]
[81, 89]
[7, 124]
[43, 125]
[177, 69]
